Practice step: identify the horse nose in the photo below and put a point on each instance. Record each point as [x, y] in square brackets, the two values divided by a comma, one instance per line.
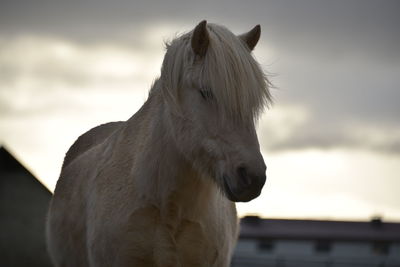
[250, 179]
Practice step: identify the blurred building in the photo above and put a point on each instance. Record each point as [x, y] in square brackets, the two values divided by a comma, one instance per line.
[311, 243]
[23, 207]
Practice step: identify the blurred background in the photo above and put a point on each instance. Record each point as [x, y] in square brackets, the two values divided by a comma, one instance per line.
[331, 141]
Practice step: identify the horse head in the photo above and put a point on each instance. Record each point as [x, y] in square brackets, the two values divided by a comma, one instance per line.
[214, 91]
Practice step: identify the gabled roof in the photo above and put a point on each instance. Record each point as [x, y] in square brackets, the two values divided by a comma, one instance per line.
[375, 230]
[8, 161]
[9, 164]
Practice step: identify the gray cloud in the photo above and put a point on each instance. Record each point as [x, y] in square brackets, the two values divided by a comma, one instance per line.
[293, 23]
[343, 97]
[344, 130]
[312, 135]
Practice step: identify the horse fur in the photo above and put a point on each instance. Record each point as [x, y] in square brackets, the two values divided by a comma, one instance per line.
[147, 191]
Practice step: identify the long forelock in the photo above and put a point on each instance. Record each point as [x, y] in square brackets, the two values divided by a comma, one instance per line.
[237, 82]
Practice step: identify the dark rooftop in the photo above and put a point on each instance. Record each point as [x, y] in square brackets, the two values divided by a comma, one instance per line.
[23, 207]
[375, 230]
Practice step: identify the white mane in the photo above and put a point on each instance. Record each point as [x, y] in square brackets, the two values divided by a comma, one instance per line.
[229, 71]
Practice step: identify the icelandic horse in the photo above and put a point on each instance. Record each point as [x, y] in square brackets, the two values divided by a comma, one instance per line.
[160, 188]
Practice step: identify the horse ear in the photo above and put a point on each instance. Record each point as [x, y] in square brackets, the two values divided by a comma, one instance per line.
[251, 38]
[200, 39]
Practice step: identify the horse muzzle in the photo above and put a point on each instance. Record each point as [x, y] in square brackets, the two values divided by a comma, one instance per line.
[244, 185]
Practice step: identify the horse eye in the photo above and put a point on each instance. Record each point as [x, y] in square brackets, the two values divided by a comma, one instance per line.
[206, 94]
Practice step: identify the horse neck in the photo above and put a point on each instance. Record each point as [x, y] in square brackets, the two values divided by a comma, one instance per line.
[162, 175]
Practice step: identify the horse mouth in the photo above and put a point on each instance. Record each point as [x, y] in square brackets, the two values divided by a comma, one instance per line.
[243, 195]
[231, 196]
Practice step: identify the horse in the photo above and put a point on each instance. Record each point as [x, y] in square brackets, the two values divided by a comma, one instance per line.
[160, 188]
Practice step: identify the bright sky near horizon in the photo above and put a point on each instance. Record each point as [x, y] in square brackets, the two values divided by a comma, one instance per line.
[331, 141]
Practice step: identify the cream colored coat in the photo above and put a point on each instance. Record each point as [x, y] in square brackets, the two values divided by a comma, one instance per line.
[148, 191]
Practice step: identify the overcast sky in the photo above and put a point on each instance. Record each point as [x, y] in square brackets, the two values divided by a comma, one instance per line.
[331, 140]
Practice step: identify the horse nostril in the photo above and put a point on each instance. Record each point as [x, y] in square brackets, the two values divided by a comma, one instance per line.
[242, 172]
